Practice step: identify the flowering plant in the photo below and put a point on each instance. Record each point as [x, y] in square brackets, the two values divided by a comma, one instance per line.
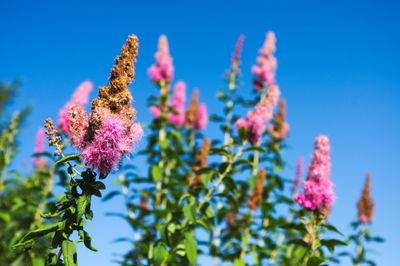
[223, 196]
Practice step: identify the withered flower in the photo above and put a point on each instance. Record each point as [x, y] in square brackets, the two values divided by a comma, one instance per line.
[257, 193]
[201, 161]
[365, 204]
[280, 128]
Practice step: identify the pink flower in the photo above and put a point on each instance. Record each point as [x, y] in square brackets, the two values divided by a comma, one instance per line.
[202, 117]
[155, 111]
[132, 136]
[318, 188]
[104, 152]
[80, 97]
[178, 104]
[163, 69]
[235, 60]
[265, 68]
[299, 174]
[39, 148]
[241, 122]
[111, 131]
[258, 118]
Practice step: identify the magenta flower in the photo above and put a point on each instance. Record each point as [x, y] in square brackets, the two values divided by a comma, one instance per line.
[202, 117]
[318, 188]
[79, 97]
[163, 69]
[265, 68]
[258, 118]
[178, 104]
[39, 148]
[104, 152]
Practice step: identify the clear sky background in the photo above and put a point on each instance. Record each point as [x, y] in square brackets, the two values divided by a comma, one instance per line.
[338, 70]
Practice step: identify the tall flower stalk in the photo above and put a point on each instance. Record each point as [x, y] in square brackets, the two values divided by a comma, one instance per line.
[109, 133]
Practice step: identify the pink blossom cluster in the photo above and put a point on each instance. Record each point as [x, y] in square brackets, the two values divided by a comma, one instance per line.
[39, 148]
[318, 188]
[265, 68]
[178, 105]
[110, 131]
[110, 143]
[103, 148]
[258, 118]
[163, 69]
[80, 97]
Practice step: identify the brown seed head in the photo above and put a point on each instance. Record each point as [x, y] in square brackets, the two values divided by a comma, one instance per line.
[365, 204]
[115, 98]
[280, 128]
[256, 195]
[191, 113]
[201, 161]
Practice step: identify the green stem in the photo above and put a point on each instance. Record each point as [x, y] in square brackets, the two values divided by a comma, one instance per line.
[210, 191]
[246, 237]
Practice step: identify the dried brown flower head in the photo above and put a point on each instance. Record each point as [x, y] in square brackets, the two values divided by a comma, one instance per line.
[191, 113]
[201, 161]
[280, 129]
[365, 204]
[257, 193]
[144, 201]
[115, 98]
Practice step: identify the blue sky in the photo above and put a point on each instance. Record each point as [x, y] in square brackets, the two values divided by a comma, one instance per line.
[338, 70]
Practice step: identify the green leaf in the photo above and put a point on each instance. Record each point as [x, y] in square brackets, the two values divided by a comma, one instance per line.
[218, 151]
[99, 185]
[52, 214]
[190, 212]
[256, 148]
[111, 195]
[210, 211]
[67, 159]
[159, 253]
[164, 143]
[222, 96]
[315, 261]
[28, 238]
[183, 197]
[37, 261]
[216, 118]
[205, 170]
[156, 173]
[87, 240]
[82, 202]
[332, 228]
[205, 178]
[331, 243]
[378, 239]
[239, 262]
[5, 217]
[69, 253]
[191, 248]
